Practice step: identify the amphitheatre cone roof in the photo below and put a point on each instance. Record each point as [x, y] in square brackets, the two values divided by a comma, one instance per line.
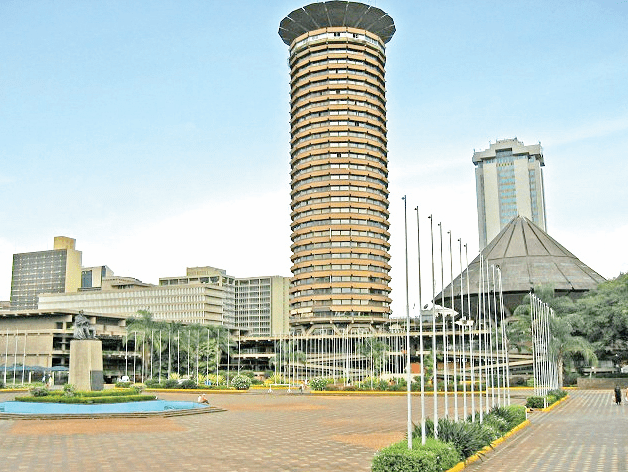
[528, 257]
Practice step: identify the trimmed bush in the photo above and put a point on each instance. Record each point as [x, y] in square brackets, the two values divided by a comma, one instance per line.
[87, 400]
[171, 383]
[434, 456]
[152, 383]
[241, 382]
[187, 384]
[39, 391]
[535, 402]
[123, 384]
[69, 390]
[318, 383]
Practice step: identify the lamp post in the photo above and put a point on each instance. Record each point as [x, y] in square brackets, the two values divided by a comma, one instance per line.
[434, 364]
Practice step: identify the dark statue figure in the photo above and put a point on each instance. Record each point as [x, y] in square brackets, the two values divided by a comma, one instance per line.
[82, 327]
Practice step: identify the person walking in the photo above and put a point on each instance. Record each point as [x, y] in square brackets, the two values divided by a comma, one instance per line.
[617, 395]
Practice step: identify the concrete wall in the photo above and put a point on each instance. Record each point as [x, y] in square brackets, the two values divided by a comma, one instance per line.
[602, 384]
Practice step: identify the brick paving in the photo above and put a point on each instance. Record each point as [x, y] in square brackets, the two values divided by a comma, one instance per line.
[586, 433]
[281, 432]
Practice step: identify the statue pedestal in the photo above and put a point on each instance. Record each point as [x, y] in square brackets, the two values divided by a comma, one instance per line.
[86, 364]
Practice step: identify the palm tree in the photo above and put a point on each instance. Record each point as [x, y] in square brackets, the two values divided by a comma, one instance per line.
[565, 347]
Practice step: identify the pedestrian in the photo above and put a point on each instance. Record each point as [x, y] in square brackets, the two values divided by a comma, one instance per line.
[617, 395]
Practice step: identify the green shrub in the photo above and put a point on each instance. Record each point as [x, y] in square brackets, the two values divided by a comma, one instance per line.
[171, 383]
[433, 456]
[535, 402]
[241, 382]
[332, 387]
[513, 414]
[1, 384]
[558, 393]
[87, 400]
[120, 384]
[152, 383]
[39, 391]
[467, 438]
[69, 390]
[188, 384]
[318, 383]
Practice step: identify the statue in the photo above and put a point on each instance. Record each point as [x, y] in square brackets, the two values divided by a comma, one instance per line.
[82, 327]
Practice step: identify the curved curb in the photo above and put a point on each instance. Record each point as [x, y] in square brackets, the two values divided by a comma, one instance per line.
[471, 459]
[98, 416]
[192, 391]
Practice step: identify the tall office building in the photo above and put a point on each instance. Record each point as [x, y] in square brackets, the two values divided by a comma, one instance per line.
[339, 176]
[54, 271]
[262, 305]
[509, 183]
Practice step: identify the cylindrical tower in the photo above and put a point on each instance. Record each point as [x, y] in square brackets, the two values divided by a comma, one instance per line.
[339, 176]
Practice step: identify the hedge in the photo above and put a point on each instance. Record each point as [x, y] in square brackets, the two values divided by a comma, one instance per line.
[433, 456]
[87, 400]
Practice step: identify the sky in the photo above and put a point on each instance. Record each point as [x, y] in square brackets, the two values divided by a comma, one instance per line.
[156, 133]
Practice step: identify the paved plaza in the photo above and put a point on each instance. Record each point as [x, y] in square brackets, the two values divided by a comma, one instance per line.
[282, 432]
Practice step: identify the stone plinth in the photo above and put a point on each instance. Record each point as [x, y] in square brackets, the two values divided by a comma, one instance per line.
[86, 364]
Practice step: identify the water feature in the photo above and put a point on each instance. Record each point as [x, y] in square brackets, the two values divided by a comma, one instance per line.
[116, 409]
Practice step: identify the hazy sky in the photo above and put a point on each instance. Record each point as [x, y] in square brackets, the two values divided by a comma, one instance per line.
[156, 133]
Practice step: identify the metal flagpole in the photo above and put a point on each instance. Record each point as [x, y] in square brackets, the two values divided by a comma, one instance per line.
[444, 314]
[408, 366]
[504, 337]
[463, 320]
[434, 364]
[480, 344]
[471, 361]
[497, 356]
[453, 326]
[418, 239]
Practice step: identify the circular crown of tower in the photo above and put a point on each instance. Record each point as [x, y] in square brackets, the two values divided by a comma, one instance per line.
[336, 14]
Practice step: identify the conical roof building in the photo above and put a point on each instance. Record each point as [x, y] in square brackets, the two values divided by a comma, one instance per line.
[527, 257]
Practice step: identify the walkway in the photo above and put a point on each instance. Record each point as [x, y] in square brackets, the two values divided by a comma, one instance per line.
[588, 432]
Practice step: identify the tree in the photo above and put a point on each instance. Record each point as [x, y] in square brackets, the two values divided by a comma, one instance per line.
[374, 350]
[602, 316]
[565, 344]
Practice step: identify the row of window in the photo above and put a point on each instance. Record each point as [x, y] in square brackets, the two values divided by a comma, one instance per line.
[326, 178]
[340, 50]
[341, 255]
[333, 144]
[339, 134]
[330, 123]
[326, 211]
[339, 278]
[340, 222]
[328, 60]
[340, 290]
[335, 301]
[343, 156]
[310, 40]
[328, 267]
[343, 244]
[347, 112]
[314, 201]
[339, 188]
[326, 103]
[309, 81]
[328, 233]
[334, 91]
[345, 165]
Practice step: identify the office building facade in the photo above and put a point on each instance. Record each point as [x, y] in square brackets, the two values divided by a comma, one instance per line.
[509, 183]
[262, 305]
[339, 175]
[53, 271]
